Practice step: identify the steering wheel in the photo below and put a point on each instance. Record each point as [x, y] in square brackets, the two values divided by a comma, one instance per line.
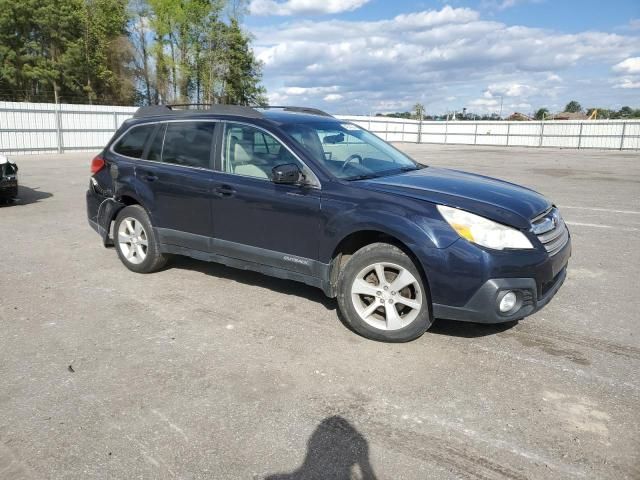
[349, 159]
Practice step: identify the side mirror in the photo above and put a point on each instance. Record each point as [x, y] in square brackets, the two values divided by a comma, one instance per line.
[287, 174]
[333, 139]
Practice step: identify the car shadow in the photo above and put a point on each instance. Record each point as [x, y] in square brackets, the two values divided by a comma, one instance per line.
[289, 287]
[248, 277]
[26, 196]
[334, 450]
[452, 328]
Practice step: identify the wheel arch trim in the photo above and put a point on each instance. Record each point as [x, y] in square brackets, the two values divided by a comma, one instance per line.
[368, 236]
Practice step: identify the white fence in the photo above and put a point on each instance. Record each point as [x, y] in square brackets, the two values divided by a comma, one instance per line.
[46, 128]
[605, 134]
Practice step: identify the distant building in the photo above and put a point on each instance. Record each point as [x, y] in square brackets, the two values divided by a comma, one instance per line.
[519, 117]
[568, 116]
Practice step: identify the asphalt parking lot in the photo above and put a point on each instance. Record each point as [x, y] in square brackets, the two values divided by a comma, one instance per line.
[205, 372]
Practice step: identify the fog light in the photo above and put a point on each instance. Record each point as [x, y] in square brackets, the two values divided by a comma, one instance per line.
[508, 301]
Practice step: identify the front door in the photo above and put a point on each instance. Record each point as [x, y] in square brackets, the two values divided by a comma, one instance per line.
[256, 220]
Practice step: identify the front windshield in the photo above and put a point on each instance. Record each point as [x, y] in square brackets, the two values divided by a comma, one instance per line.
[348, 151]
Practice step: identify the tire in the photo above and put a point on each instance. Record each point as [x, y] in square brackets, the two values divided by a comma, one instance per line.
[359, 291]
[133, 223]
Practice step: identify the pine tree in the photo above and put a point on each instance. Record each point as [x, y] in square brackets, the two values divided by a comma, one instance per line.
[108, 51]
[161, 51]
[244, 71]
[75, 50]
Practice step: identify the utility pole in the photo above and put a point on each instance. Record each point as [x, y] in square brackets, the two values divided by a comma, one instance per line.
[501, 100]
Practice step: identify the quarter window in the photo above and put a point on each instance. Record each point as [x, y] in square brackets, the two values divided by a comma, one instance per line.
[133, 142]
[155, 148]
[188, 144]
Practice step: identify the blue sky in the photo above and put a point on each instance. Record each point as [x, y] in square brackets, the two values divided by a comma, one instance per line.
[363, 56]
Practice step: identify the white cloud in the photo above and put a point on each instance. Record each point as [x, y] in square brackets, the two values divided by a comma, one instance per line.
[303, 7]
[333, 97]
[628, 66]
[629, 71]
[431, 18]
[504, 4]
[294, 91]
[628, 83]
[509, 90]
[433, 55]
[485, 103]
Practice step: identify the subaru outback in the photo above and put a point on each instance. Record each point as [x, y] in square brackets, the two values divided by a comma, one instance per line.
[298, 194]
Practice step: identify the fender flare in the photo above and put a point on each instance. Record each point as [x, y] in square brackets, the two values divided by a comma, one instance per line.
[400, 229]
[108, 210]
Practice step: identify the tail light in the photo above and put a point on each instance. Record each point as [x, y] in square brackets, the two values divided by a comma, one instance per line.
[97, 164]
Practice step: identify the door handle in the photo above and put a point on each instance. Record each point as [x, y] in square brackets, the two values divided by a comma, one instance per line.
[224, 191]
[149, 177]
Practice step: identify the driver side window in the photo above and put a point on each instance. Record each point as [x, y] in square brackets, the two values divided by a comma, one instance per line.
[252, 152]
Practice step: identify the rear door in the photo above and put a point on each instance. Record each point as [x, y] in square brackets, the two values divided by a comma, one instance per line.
[175, 180]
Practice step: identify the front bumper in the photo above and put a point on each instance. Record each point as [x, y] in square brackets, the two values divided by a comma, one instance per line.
[476, 280]
[483, 306]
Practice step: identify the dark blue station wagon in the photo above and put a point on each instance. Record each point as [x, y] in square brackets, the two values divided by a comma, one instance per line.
[298, 194]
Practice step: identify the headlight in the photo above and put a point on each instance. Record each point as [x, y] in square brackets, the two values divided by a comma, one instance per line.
[482, 231]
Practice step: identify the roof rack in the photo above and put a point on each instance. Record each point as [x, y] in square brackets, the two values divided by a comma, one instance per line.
[185, 109]
[311, 111]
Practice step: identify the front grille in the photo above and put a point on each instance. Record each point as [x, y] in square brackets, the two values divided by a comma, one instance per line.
[551, 230]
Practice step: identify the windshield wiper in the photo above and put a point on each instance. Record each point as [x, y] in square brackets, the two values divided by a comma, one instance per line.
[364, 176]
[394, 171]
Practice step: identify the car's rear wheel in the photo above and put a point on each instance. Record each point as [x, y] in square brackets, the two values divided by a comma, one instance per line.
[382, 295]
[135, 241]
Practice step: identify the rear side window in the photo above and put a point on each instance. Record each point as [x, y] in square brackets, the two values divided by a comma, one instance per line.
[133, 142]
[188, 144]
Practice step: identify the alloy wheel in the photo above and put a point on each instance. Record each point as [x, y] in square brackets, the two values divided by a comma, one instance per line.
[386, 296]
[133, 240]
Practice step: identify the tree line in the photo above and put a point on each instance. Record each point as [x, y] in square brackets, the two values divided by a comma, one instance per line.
[125, 52]
[573, 106]
[601, 113]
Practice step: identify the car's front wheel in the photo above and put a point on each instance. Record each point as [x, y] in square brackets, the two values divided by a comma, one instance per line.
[135, 241]
[382, 295]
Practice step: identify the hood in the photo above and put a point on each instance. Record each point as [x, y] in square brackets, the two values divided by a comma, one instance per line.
[501, 201]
